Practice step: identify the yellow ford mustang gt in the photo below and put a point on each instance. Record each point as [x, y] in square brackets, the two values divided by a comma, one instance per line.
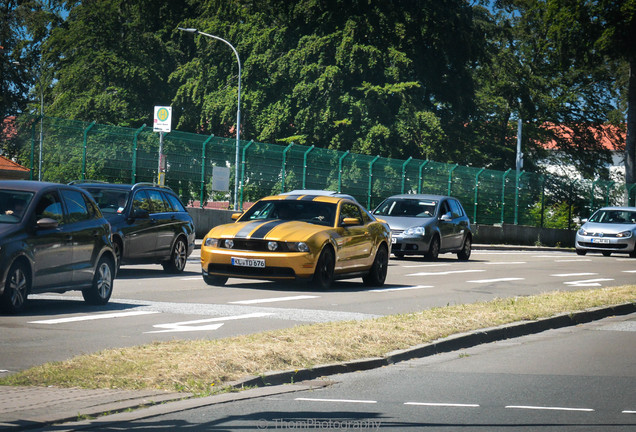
[299, 237]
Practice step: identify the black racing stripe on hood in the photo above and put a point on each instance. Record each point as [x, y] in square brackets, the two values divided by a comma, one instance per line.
[264, 229]
[248, 228]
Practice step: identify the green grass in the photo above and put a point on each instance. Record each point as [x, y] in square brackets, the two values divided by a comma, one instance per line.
[206, 366]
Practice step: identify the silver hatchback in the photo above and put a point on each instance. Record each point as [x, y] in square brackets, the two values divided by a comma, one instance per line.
[609, 230]
[426, 225]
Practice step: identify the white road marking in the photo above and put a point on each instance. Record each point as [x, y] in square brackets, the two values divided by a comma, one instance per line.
[549, 408]
[556, 254]
[189, 278]
[274, 299]
[573, 260]
[629, 271]
[496, 280]
[573, 274]
[506, 263]
[589, 282]
[629, 412]
[337, 400]
[425, 265]
[450, 405]
[186, 326]
[93, 317]
[445, 273]
[401, 288]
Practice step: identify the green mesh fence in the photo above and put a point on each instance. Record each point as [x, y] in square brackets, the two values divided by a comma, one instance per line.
[74, 150]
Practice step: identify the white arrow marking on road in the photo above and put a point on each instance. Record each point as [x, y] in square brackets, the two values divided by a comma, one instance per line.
[495, 280]
[589, 282]
[93, 317]
[573, 274]
[401, 288]
[445, 273]
[272, 300]
[186, 326]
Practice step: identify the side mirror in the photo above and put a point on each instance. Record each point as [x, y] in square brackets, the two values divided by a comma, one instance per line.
[446, 218]
[350, 221]
[235, 216]
[46, 223]
[140, 214]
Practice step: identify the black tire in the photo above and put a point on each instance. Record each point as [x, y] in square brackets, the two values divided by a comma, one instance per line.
[581, 252]
[16, 289]
[377, 274]
[632, 254]
[433, 250]
[178, 257]
[606, 253]
[102, 287]
[214, 280]
[464, 253]
[324, 273]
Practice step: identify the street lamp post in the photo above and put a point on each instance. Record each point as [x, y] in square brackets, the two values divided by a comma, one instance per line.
[238, 109]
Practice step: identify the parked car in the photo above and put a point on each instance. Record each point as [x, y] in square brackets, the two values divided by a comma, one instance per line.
[609, 229]
[53, 238]
[150, 224]
[426, 225]
[299, 237]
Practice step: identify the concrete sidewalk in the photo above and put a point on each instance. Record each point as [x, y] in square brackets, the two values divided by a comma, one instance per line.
[48, 408]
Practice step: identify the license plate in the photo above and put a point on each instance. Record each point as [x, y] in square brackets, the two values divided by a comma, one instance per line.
[393, 240]
[248, 262]
[600, 240]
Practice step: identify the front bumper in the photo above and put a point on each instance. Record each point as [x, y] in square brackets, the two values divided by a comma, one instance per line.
[604, 244]
[410, 245]
[278, 265]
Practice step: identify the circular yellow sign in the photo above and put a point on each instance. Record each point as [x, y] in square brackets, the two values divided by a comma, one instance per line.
[162, 114]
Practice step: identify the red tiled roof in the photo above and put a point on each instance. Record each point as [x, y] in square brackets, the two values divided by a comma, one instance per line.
[609, 136]
[9, 165]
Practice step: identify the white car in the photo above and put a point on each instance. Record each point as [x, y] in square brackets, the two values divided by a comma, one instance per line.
[609, 230]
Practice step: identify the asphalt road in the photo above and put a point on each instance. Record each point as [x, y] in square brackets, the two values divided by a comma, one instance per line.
[149, 305]
[574, 379]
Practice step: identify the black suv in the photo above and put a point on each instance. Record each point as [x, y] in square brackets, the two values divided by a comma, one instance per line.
[149, 223]
[53, 238]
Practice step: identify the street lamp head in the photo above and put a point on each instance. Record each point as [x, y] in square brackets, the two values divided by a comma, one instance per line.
[189, 30]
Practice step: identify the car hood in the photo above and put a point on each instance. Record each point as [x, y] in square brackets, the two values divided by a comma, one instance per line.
[607, 228]
[402, 223]
[273, 229]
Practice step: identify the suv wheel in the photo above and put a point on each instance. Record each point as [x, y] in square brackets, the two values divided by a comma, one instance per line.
[102, 286]
[16, 289]
[178, 257]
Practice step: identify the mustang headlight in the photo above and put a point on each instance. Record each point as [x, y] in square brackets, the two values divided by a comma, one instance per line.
[298, 246]
[272, 246]
[211, 242]
[624, 234]
[418, 230]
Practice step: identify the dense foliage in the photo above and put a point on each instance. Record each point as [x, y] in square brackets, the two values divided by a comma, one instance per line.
[445, 80]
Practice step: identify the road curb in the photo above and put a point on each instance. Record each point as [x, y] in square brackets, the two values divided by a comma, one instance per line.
[451, 343]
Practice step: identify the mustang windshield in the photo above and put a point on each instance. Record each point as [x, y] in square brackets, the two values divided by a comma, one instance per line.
[614, 216]
[320, 213]
[406, 207]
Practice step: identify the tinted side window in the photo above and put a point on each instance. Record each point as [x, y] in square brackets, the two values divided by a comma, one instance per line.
[176, 204]
[141, 202]
[50, 206]
[456, 209]
[349, 210]
[75, 205]
[444, 208]
[157, 202]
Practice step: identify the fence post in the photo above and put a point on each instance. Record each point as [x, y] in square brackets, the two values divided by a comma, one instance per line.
[592, 197]
[607, 193]
[134, 156]
[305, 164]
[419, 178]
[340, 170]
[542, 199]
[90, 126]
[371, 181]
[517, 188]
[404, 171]
[450, 178]
[476, 203]
[629, 192]
[203, 169]
[503, 193]
[33, 151]
[243, 173]
[282, 185]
